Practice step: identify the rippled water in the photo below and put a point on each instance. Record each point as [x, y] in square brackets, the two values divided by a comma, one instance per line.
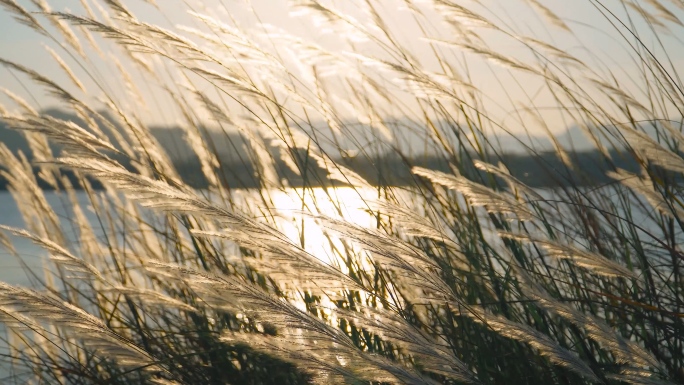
[289, 204]
[341, 202]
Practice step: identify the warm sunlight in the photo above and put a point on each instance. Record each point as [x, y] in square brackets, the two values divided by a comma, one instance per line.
[299, 207]
[295, 192]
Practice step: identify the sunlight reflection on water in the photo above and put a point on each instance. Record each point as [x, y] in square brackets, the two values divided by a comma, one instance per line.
[287, 210]
[339, 203]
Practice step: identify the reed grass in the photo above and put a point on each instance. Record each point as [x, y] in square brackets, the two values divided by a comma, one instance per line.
[465, 276]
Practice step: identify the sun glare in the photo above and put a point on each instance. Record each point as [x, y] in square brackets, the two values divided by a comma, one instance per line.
[298, 209]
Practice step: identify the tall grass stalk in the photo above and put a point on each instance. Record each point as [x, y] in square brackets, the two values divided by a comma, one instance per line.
[462, 274]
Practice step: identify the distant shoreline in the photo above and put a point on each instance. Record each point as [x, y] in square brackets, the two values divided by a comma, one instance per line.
[533, 170]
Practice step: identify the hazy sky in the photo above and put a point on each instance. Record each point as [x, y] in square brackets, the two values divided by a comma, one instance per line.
[592, 34]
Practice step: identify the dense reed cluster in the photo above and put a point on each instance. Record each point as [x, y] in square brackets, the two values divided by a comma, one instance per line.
[464, 275]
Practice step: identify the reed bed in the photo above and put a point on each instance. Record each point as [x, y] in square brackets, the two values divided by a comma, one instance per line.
[464, 274]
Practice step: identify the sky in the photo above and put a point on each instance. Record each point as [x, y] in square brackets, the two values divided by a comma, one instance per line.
[592, 36]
